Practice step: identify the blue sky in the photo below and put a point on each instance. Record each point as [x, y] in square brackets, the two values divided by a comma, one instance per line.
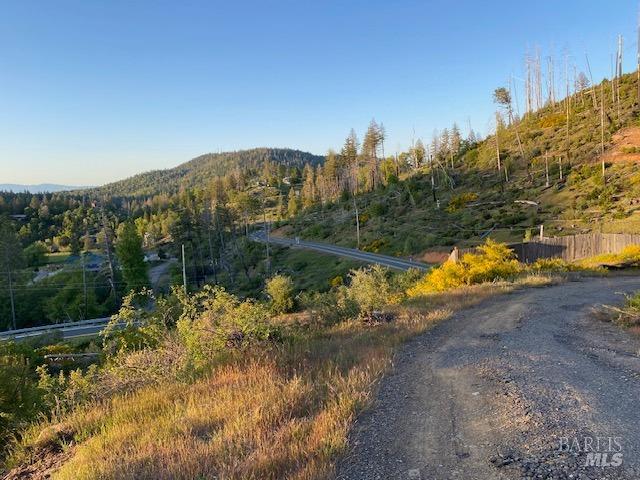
[94, 91]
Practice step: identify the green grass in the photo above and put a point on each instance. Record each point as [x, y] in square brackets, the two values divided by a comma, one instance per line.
[57, 258]
[311, 270]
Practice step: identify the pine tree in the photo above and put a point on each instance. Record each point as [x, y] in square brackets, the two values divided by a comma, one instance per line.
[293, 205]
[10, 260]
[131, 257]
[373, 139]
[349, 154]
[308, 187]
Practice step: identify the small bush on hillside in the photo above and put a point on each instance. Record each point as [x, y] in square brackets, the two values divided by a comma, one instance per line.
[280, 291]
[62, 393]
[20, 400]
[133, 327]
[214, 320]
[402, 281]
[461, 200]
[552, 265]
[628, 316]
[377, 209]
[376, 245]
[494, 261]
[370, 289]
[329, 308]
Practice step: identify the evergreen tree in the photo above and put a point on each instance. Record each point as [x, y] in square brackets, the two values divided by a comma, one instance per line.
[349, 154]
[293, 205]
[10, 260]
[308, 192]
[131, 257]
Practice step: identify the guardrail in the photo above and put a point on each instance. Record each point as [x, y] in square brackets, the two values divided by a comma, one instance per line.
[55, 326]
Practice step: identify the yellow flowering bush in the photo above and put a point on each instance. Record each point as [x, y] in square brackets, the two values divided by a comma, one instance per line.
[494, 261]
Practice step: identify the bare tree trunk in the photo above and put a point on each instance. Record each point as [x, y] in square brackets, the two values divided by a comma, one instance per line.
[498, 142]
[546, 168]
[602, 130]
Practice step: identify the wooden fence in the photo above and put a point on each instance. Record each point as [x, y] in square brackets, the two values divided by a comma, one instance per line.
[569, 248]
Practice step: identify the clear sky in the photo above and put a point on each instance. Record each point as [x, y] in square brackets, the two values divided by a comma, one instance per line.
[94, 91]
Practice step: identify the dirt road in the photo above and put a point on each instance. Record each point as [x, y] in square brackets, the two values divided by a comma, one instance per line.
[525, 385]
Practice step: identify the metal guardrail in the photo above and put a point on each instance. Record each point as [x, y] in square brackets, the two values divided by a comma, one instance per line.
[55, 326]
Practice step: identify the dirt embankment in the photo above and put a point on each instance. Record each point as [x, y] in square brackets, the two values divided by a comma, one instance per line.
[625, 146]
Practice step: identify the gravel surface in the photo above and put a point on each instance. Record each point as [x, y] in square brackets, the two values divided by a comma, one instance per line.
[523, 386]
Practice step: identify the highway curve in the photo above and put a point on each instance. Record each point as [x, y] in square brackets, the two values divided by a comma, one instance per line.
[497, 391]
[367, 257]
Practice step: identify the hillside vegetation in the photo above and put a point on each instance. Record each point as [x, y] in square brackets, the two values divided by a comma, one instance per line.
[200, 171]
[473, 199]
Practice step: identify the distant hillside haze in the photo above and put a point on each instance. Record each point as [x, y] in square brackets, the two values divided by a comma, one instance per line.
[199, 171]
[39, 188]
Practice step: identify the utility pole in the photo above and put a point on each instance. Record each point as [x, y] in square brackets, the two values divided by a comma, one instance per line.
[13, 306]
[266, 236]
[184, 271]
[84, 283]
[355, 208]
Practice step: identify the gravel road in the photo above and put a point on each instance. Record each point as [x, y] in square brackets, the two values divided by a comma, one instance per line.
[525, 385]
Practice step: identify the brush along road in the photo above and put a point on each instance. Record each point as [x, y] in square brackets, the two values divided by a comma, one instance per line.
[526, 385]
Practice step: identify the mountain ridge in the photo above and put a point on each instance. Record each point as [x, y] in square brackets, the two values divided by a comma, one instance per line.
[38, 188]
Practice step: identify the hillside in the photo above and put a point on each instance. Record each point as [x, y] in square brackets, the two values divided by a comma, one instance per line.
[200, 170]
[475, 200]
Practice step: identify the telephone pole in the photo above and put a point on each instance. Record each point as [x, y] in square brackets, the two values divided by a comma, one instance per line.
[355, 207]
[13, 306]
[184, 271]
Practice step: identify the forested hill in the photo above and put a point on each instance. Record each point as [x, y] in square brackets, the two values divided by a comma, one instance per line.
[199, 171]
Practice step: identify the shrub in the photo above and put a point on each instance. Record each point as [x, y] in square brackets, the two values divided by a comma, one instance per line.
[329, 308]
[20, 398]
[214, 320]
[460, 201]
[370, 289]
[280, 291]
[64, 392]
[551, 265]
[133, 327]
[376, 245]
[494, 261]
[378, 209]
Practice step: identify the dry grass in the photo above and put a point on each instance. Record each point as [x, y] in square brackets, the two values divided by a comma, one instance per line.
[281, 414]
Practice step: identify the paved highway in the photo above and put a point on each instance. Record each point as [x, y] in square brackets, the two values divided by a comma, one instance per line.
[384, 260]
